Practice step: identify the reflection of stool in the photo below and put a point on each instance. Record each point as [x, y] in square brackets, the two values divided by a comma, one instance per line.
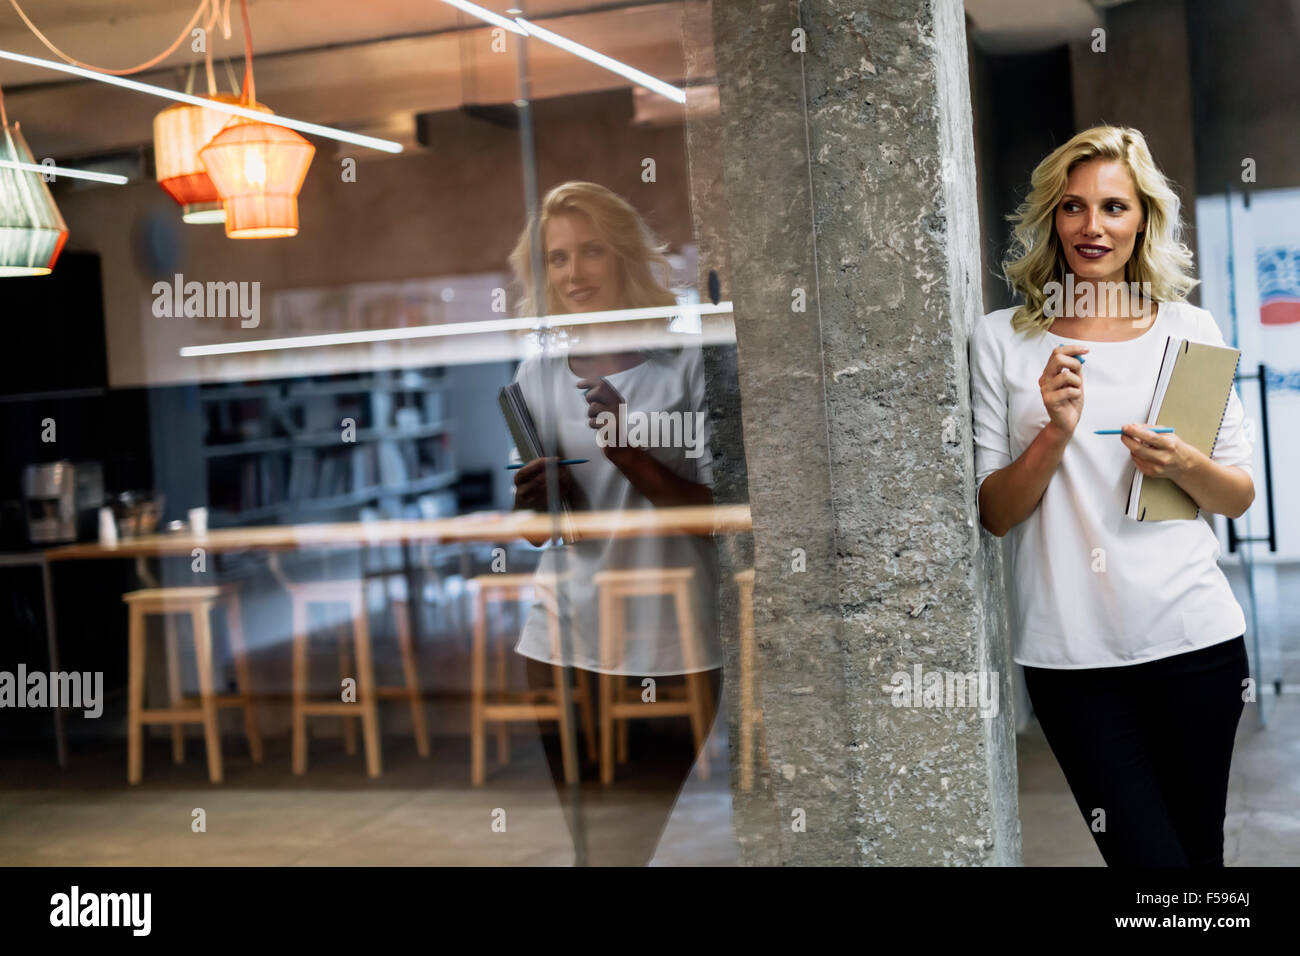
[618, 702]
[352, 593]
[197, 602]
[751, 714]
[411, 689]
[540, 704]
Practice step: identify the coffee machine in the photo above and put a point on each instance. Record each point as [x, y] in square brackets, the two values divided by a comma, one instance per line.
[62, 500]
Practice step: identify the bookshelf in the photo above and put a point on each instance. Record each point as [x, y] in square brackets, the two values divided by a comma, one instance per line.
[278, 452]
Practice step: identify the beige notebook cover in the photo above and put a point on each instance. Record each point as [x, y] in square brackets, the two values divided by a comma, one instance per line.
[1191, 398]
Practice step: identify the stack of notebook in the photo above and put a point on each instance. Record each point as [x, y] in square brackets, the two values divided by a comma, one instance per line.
[527, 441]
[1191, 397]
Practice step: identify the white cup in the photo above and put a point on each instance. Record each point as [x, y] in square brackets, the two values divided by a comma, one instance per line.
[107, 528]
[199, 520]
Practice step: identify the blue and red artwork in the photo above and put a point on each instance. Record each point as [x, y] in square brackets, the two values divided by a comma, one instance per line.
[1278, 270]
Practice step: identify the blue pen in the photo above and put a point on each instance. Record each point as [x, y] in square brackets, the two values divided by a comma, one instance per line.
[1081, 359]
[1120, 431]
[562, 461]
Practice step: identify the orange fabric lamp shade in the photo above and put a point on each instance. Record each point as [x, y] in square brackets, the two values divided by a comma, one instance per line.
[258, 170]
[179, 132]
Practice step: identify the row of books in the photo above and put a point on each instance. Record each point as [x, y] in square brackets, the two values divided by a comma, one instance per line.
[307, 474]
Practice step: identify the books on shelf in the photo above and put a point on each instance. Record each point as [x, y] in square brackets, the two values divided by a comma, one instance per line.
[277, 448]
[393, 472]
[302, 475]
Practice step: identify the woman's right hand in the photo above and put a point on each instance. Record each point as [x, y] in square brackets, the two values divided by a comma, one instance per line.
[530, 485]
[1061, 386]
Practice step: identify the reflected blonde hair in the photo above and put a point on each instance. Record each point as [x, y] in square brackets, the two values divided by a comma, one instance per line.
[619, 225]
[1159, 255]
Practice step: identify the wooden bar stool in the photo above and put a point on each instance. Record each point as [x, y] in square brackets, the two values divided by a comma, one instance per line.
[410, 690]
[751, 715]
[350, 592]
[197, 603]
[530, 705]
[621, 703]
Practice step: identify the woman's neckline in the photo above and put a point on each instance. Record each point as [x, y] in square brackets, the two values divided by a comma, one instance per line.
[569, 368]
[1161, 308]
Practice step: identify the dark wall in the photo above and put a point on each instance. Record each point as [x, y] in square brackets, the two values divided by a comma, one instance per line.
[1023, 110]
[109, 426]
[1246, 89]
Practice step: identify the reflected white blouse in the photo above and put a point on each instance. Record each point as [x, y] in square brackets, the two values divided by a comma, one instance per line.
[667, 381]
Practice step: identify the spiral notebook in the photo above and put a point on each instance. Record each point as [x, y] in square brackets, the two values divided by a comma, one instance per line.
[529, 443]
[1191, 397]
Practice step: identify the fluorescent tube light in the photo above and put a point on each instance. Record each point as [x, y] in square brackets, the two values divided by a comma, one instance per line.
[673, 93]
[328, 132]
[538, 323]
[485, 14]
[48, 170]
[522, 26]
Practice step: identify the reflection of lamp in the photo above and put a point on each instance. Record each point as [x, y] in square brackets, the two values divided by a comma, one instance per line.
[32, 231]
[258, 169]
[179, 132]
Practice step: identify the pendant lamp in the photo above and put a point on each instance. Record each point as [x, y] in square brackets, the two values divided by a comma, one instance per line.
[32, 232]
[179, 132]
[258, 169]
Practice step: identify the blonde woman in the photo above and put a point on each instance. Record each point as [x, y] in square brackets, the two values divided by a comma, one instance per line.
[1131, 639]
[598, 255]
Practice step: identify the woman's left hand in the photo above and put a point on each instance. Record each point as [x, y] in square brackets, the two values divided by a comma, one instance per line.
[1158, 455]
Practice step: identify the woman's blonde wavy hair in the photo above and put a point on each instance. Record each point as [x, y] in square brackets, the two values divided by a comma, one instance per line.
[1159, 255]
[616, 222]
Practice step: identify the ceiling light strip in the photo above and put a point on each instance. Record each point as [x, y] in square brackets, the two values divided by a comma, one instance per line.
[48, 170]
[527, 27]
[327, 132]
[673, 93]
[485, 14]
[529, 323]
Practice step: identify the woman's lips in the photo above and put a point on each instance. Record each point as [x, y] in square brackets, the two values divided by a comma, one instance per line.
[582, 295]
[1092, 252]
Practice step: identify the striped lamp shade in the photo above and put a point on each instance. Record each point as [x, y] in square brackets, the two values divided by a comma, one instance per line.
[258, 169]
[32, 232]
[179, 132]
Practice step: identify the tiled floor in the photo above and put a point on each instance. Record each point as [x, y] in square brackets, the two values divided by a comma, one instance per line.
[424, 812]
[420, 812]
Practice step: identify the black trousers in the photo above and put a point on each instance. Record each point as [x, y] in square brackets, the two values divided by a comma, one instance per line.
[622, 824]
[1146, 749]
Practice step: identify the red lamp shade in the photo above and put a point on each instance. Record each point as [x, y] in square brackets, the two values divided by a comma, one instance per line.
[258, 169]
[179, 132]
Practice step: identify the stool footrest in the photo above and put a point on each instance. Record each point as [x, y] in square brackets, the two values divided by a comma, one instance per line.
[181, 715]
[330, 707]
[660, 708]
[521, 712]
[221, 700]
[394, 692]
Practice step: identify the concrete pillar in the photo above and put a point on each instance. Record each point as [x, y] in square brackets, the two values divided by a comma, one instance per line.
[853, 252]
[753, 812]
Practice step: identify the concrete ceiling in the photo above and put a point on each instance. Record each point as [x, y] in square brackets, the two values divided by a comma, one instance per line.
[1029, 26]
[115, 34]
[371, 65]
[368, 66]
